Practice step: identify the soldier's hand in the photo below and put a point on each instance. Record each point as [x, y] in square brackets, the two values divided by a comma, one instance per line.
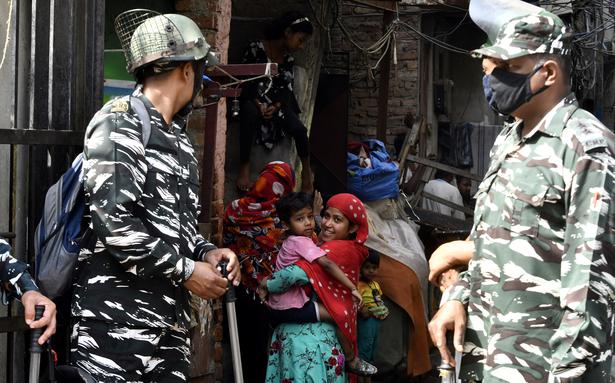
[206, 281]
[30, 299]
[451, 316]
[448, 256]
[214, 257]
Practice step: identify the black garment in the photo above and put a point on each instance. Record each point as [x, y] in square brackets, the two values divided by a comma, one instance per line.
[251, 125]
[144, 205]
[113, 353]
[278, 90]
[254, 336]
[306, 314]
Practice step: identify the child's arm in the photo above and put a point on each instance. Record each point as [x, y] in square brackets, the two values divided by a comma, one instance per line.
[334, 270]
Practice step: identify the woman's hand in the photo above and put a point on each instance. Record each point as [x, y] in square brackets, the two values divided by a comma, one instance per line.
[269, 111]
[448, 278]
[317, 205]
[262, 290]
[448, 256]
[356, 297]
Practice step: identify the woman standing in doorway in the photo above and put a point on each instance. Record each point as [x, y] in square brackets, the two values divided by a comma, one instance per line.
[269, 109]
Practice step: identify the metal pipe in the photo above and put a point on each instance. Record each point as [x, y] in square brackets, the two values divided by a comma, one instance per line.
[21, 158]
[24, 34]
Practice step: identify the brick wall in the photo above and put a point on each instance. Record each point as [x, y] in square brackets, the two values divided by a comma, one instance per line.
[365, 26]
[214, 18]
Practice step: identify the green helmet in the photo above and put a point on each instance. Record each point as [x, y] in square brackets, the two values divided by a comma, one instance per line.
[148, 37]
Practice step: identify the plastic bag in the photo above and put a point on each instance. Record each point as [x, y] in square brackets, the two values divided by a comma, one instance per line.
[378, 182]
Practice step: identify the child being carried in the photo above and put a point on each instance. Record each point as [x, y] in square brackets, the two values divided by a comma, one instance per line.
[294, 306]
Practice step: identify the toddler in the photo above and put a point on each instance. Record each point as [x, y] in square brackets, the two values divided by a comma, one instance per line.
[373, 309]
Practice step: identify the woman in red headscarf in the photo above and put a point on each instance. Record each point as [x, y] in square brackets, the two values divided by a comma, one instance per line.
[253, 231]
[302, 352]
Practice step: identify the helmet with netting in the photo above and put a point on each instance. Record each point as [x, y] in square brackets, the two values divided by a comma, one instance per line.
[147, 37]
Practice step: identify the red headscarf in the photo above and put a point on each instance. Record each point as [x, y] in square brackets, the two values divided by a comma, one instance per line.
[353, 209]
[348, 254]
[251, 225]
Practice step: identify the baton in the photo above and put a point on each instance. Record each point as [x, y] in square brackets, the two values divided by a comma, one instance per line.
[230, 299]
[35, 348]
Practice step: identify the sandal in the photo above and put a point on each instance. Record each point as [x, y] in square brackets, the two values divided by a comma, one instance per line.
[362, 368]
[242, 189]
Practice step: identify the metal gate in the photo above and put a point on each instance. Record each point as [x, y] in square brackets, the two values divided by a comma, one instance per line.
[52, 78]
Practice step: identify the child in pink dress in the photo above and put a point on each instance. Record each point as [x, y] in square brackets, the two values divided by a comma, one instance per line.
[297, 215]
[294, 306]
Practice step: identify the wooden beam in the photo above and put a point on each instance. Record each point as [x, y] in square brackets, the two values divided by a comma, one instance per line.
[448, 203]
[383, 87]
[446, 168]
[386, 5]
[241, 70]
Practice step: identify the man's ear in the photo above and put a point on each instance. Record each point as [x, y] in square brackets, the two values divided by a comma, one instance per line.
[553, 72]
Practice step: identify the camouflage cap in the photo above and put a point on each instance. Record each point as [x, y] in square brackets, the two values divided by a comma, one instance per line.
[542, 32]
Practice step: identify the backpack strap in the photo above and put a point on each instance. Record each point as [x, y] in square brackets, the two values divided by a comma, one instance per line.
[139, 107]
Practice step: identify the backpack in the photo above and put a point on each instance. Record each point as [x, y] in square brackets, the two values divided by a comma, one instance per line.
[58, 239]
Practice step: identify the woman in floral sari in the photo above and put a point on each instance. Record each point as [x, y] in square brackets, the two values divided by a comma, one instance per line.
[310, 352]
[252, 230]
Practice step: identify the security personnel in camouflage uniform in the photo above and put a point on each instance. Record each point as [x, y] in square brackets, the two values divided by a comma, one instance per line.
[540, 289]
[16, 282]
[131, 300]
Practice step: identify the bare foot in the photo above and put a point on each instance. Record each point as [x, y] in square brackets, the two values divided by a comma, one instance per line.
[243, 178]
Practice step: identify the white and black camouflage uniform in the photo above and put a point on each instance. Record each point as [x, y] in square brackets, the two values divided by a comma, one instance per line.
[144, 204]
[13, 275]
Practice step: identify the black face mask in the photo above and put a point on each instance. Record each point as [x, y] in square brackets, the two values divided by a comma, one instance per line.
[506, 91]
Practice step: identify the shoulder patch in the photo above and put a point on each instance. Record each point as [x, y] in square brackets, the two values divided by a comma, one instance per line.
[589, 132]
[119, 105]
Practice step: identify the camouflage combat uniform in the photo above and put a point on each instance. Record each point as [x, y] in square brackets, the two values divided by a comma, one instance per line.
[540, 289]
[14, 273]
[144, 205]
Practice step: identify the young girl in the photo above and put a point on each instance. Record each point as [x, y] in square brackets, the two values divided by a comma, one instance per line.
[297, 217]
[373, 309]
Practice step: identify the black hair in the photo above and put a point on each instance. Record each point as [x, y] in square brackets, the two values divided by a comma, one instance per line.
[373, 257]
[564, 62]
[443, 175]
[296, 21]
[292, 203]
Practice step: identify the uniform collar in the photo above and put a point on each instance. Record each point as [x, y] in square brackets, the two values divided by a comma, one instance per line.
[554, 121]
